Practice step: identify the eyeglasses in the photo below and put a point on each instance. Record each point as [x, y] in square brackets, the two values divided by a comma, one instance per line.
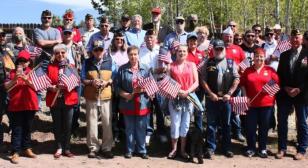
[232, 25]
[179, 22]
[69, 20]
[104, 25]
[46, 17]
[67, 33]
[256, 30]
[119, 39]
[218, 49]
[61, 52]
[269, 34]
[98, 50]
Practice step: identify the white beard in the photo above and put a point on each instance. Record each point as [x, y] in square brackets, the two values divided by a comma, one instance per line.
[221, 55]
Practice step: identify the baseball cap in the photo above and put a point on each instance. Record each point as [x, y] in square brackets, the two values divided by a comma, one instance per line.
[192, 35]
[125, 17]
[295, 32]
[156, 10]
[88, 16]
[218, 44]
[23, 55]
[98, 45]
[180, 18]
[46, 13]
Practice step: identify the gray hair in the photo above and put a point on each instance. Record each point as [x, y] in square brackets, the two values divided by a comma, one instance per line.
[24, 37]
[134, 17]
[59, 47]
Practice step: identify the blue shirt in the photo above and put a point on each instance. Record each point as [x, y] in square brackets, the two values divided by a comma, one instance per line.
[135, 37]
[172, 37]
[99, 37]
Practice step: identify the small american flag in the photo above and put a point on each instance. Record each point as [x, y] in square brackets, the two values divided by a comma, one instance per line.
[175, 44]
[244, 64]
[200, 65]
[69, 79]
[168, 87]
[239, 105]
[165, 58]
[39, 79]
[34, 51]
[271, 87]
[149, 85]
[283, 46]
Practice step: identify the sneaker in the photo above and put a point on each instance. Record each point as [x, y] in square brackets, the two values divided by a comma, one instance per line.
[249, 153]
[163, 138]
[144, 156]
[240, 137]
[107, 155]
[209, 154]
[299, 156]
[92, 154]
[14, 158]
[28, 153]
[262, 154]
[147, 140]
[229, 154]
[128, 155]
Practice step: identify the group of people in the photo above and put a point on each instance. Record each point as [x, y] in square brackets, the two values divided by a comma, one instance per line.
[106, 69]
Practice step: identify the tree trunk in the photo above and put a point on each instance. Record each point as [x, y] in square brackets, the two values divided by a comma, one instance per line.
[277, 12]
[287, 18]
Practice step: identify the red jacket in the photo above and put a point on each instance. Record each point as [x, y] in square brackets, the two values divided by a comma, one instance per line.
[22, 97]
[71, 98]
[234, 52]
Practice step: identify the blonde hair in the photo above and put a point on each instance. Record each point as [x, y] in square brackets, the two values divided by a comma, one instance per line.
[24, 37]
[202, 29]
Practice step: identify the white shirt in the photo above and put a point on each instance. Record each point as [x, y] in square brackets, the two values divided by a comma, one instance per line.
[70, 56]
[148, 57]
[86, 34]
[269, 50]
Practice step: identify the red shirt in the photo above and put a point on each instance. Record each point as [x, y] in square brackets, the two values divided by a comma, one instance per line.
[233, 52]
[22, 97]
[195, 58]
[184, 78]
[71, 98]
[253, 83]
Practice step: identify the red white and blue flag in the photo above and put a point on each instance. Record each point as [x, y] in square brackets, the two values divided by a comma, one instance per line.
[34, 51]
[239, 105]
[201, 64]
[244, 64]
[39, 79]
[271, 88]
[149, 85]
[69, 78]
[168, 87]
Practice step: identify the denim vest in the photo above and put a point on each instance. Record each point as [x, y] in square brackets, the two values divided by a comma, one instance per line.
[124, 79]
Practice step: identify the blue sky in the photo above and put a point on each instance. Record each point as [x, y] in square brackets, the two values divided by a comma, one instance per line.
[29, 11]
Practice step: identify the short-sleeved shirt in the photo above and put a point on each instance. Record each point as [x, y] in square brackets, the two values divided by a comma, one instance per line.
[49, 34]
[182, 38]
[184, 78]
[135, 37]
[86, 34]
[253, 82]
[98, 36]
[149, 57]
[195, 57]
[233, 52]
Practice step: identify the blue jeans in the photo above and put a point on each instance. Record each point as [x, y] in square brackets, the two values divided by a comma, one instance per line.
[198, 114]
[301, 111]
[218, 112]
[21, 123]
[62, 116]
[160, 122]
[135, 130]
[76, 110]
[258, 117]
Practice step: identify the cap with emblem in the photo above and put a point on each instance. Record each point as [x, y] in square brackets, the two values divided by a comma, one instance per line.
[46, 13]
[180, 18]
[218, 44]
[98, 45]
[192, 35]
[156, 10]
[88, 16]
[69, 14]
[125, 17]
[295, 32]
[277, 27]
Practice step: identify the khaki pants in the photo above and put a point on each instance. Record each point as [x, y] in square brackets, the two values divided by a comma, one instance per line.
[105, 113]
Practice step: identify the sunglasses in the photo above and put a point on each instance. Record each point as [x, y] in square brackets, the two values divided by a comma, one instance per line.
[250, 36]
[67, 33]
[256, 30]
[179, 21]
[219, 49]
[269, 34]
[98, 50]
[232, 25]
[47, 17]
[69, 20]
[61, 52]
[238, 39]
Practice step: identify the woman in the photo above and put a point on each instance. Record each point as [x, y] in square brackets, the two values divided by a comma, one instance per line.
[21, 112]
[118, 53]
[61, 102]
[202, 35]
[260, 110]
[185, 73]
[134, 104]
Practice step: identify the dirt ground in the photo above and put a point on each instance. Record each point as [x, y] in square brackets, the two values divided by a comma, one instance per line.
[43, 145]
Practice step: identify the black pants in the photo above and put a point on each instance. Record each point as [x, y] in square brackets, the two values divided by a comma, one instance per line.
[21, 123]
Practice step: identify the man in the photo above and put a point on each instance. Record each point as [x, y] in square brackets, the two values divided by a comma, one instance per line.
[192, 23]
[135, 36]
[293, 74]
[160, 30]
[68, 23]
[178, 36]
[233, 26]
[269, 46]
[97, 74]
[88, 30]
[249, 45]
[46, 37]
[103, 35]
[76, 55]
[220, 79]
[3, 95]
[125, 24]
[258, 32]
[305, 40]
[149, 56]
